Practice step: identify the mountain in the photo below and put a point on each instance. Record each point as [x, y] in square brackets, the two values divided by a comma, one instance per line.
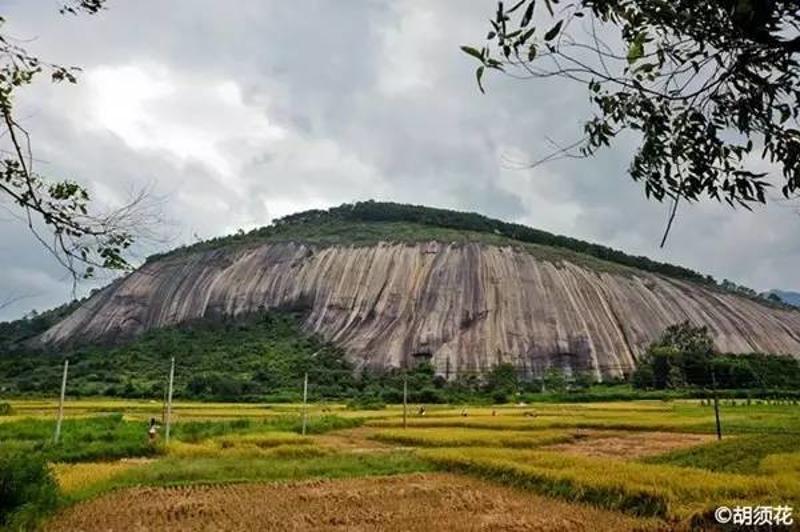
[788, 297]
[395, 284]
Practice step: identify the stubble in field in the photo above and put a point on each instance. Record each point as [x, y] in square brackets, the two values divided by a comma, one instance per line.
[403, 502]
[628, 445]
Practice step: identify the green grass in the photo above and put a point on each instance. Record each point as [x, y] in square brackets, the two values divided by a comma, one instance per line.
[738, 454]
[111, 437]
[195, 431]
[82, 439]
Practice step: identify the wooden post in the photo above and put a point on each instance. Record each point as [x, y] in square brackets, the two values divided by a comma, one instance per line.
[305, 402]
[716, 402]
[61, 401]
[405, 400]
[169, 400]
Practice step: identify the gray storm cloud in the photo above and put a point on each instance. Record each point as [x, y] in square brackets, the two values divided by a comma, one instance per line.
[241, 112]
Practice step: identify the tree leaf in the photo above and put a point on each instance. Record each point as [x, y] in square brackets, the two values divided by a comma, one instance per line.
[479, 76]
[473, 52]
[528, 15]
[552, 32]
[636, 49]
[516, 6]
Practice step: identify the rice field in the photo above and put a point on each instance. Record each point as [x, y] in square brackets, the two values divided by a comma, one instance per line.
[464, 437]
[633, 465]
[406, 502]
[74, 478]
[669, 492]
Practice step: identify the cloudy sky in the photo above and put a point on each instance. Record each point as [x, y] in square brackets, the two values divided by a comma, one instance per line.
[236, 115]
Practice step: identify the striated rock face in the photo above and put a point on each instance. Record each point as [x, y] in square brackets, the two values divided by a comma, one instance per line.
[463, 306]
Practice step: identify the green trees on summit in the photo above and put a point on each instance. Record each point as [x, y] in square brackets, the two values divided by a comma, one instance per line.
[372, 211]
[354, 220]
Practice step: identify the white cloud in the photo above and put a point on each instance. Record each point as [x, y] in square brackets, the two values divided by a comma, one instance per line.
[151, 107]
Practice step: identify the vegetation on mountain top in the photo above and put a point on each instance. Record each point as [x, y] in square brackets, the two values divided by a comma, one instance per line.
[369, 222]
[15, 332]
[360, 222]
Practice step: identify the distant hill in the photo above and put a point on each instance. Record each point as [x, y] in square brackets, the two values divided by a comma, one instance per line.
[787, 296]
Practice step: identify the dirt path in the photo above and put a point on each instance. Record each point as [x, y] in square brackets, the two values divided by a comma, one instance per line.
[407, 502]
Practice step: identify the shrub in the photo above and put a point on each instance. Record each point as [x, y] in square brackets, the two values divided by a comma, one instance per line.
[5, 409]
[366, 403]
[27, 489]
[500, 397]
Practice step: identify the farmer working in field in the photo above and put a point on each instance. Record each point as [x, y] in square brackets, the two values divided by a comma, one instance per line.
[152, 432]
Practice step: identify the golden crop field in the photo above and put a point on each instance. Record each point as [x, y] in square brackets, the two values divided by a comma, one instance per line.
[644, 489]
[646, 464]
[459, 436]
[73, 478]
[408, 502]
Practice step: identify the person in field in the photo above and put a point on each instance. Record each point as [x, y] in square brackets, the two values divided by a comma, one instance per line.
[152, 432]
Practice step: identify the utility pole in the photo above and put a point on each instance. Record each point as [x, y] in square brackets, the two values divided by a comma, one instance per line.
[405, 400]
[61, 401]
[305, 402]
[169, 400]
[164, 407]
[716, 401]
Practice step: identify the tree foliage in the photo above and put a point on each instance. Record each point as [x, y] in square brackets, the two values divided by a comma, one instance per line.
[712, 87]
[684, 357]
[27, 489]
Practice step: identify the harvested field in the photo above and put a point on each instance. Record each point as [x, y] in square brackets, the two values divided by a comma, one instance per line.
[403, 502]
[629, 445]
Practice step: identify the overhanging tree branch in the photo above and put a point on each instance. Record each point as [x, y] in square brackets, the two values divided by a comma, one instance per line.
[708, 85]
[82, 239]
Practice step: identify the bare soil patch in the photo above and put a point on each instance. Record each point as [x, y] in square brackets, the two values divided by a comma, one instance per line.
[407, 502]
[628, 445]
[354, 441]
